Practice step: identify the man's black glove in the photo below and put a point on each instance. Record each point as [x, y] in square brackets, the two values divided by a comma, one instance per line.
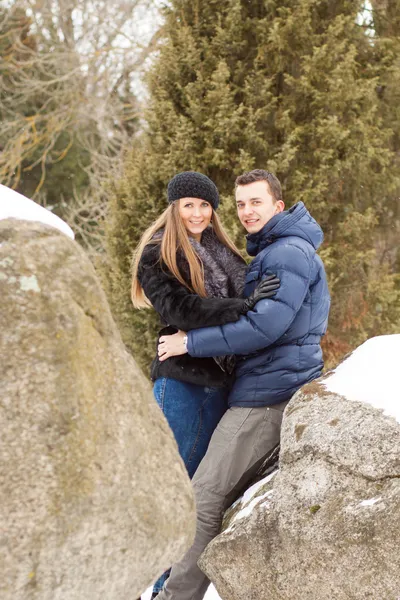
[266, 289]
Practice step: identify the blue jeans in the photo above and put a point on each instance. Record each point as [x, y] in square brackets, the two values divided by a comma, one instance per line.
[193, 412]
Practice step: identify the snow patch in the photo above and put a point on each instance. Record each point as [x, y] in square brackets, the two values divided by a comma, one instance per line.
[370, 502]
[250, 499]
[371, 375]
[15, 206]
[255, 487]
[246, 511]
[249, 493]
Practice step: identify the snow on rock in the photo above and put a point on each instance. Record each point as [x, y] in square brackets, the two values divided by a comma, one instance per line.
[252, 491]
[249, 507]
[371, 374]
[332, 510]
[250, 499]
[370, 502]
[16, 206]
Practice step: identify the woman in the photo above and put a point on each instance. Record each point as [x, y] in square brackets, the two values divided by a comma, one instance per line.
[187, 268]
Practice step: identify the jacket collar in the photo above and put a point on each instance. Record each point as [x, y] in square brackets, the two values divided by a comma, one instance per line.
[280, 223]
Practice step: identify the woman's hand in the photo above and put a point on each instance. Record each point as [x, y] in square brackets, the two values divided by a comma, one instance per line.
[171, 345]
[265, 289]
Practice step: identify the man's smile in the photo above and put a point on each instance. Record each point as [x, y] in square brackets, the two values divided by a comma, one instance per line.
[251, 221]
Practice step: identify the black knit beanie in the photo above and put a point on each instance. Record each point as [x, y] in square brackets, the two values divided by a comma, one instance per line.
[191, 184]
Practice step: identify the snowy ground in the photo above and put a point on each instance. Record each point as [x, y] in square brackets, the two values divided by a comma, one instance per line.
[371, 374]
[17, 206]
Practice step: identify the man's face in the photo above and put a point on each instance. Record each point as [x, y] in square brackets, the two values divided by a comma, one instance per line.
[256, 205]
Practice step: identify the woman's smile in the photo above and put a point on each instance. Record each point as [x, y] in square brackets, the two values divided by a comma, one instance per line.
[196, 215]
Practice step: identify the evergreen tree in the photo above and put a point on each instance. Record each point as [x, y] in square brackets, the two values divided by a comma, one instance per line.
[288, 85]
[386, 27]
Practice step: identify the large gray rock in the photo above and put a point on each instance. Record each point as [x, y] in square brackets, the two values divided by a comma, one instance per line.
[94, 500]
[327, 525]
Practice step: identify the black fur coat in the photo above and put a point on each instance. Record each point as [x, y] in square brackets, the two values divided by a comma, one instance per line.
[180, 309]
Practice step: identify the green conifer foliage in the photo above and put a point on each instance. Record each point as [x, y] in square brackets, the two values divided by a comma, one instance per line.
[288, 85]
[386, 24]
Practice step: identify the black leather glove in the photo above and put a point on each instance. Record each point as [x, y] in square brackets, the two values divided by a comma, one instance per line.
[266, 289]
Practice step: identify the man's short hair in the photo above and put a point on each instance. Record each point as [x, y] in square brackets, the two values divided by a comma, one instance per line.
[261, 175]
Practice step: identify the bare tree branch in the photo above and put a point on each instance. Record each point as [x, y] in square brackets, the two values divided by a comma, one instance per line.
[67, 76]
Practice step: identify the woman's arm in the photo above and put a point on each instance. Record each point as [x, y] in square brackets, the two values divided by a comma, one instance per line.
[176, 304]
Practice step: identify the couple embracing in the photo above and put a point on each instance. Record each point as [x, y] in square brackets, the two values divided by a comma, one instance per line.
[239, 340]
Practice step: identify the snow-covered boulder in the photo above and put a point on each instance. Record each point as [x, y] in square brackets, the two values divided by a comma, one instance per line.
[326, 526]
[16, 206]
[84, 448]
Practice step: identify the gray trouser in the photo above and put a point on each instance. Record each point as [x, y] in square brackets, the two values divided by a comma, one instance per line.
[240, 442]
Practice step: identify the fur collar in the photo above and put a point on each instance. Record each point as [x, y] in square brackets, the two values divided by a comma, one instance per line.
[224, 275]
[224, 272]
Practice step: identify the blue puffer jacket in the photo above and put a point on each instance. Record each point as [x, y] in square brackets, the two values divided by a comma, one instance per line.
[278, 343]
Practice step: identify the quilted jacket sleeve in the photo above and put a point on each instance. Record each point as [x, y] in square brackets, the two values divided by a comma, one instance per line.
[175, 303]
[270, 318]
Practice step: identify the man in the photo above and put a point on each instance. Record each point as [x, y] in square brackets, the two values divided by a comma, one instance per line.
[278, 349]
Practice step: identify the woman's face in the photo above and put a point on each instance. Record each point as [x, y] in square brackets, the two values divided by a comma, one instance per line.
[196, 215]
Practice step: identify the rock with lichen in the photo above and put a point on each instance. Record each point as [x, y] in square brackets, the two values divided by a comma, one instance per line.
[326, 525]
[83, 445]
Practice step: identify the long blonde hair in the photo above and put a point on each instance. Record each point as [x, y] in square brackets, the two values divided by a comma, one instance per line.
[174, 238]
